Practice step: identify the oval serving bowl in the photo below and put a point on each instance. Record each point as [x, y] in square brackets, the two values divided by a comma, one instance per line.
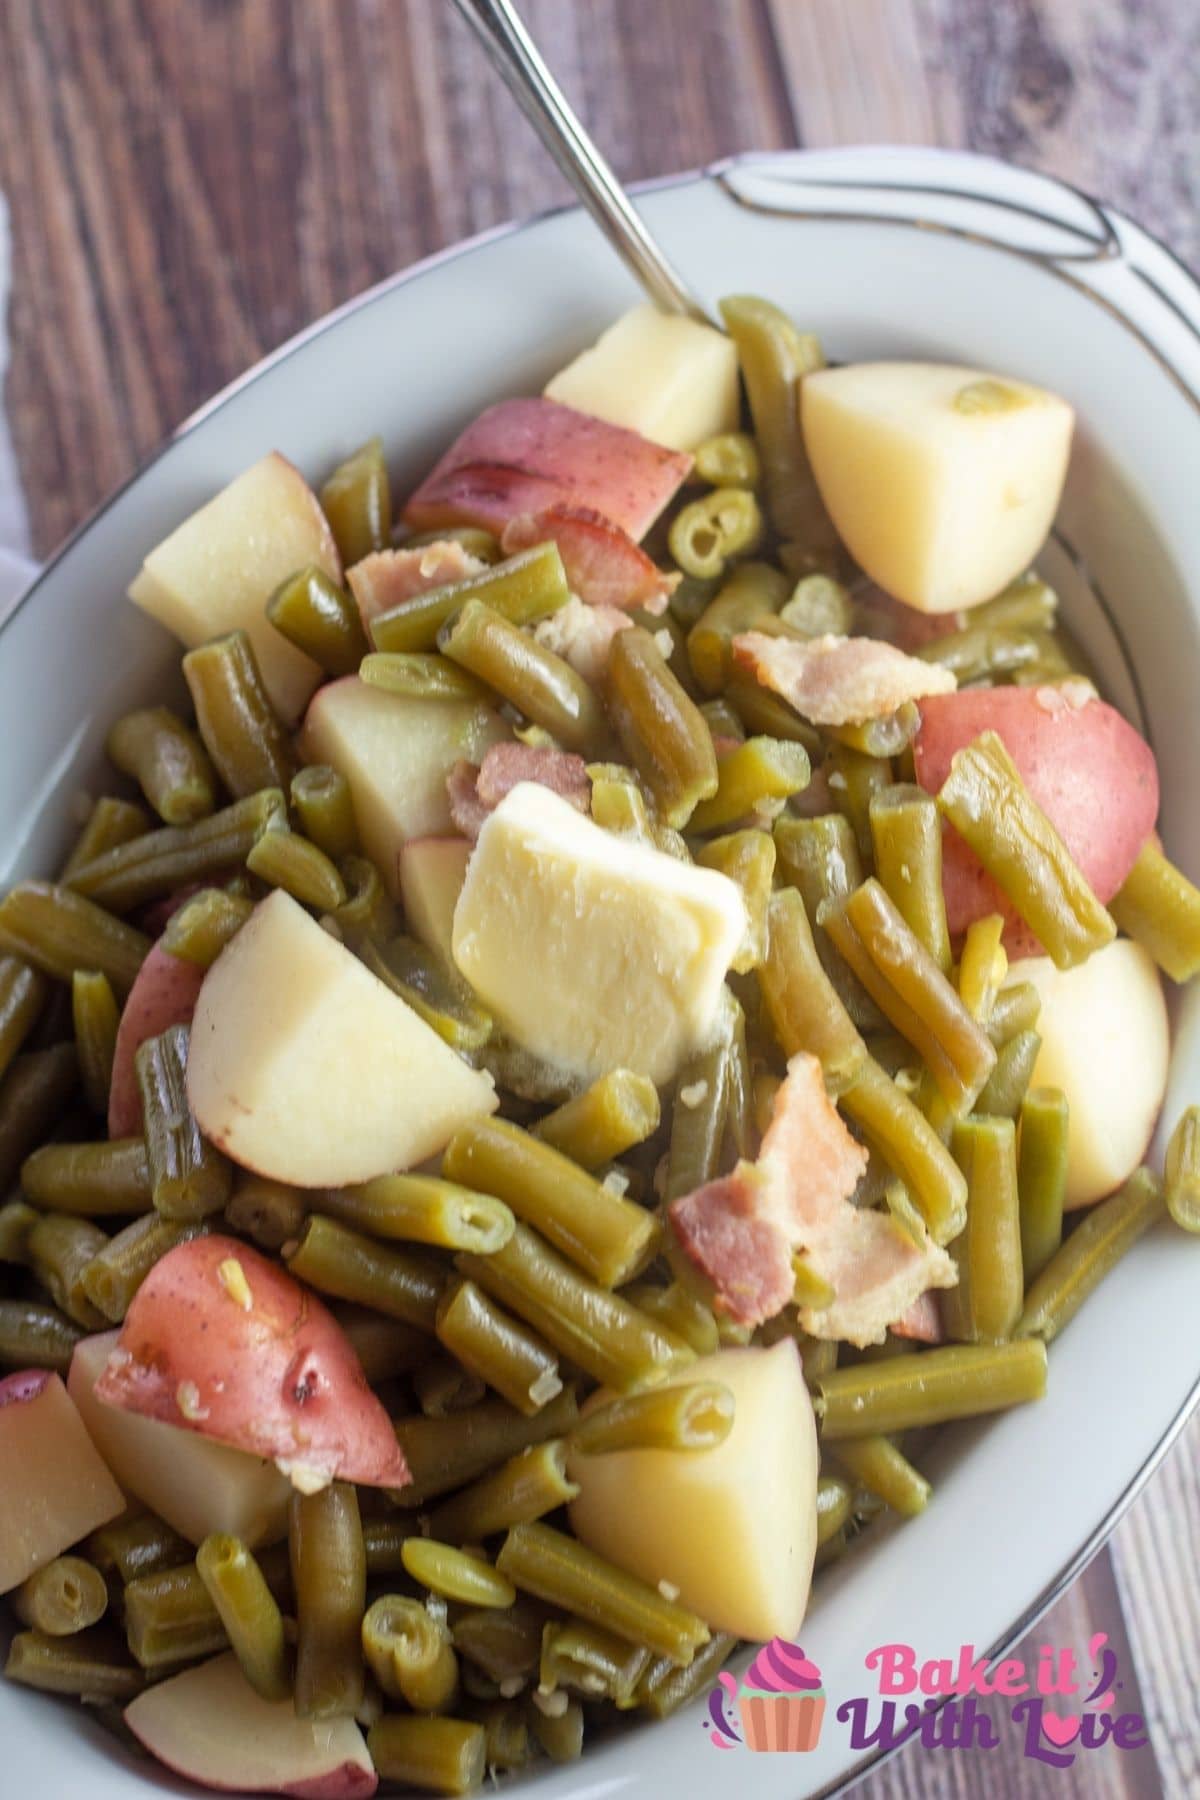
[884, 253]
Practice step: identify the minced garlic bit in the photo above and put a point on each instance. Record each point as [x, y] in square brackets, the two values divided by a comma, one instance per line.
[616, 1182]
[187, 1399]
[666, 644]
[669, 1591]
[837, 780]
[511, 1686]
[547, 1385]
[693, 1095]
[233, 1280]
[552, 1702]
[303, 1476]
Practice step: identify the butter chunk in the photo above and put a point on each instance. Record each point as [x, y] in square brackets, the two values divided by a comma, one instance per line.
[594, 952]
[670, 378]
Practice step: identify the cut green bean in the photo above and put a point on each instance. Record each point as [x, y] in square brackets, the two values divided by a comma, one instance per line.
[23, 993]
[521, 589]
[441, 1385]
[423, 1210]
[908, 1143]
[766, 714]
[889, 735]
[609, 1237]
[834, 1505]
[1159, 908]
[383, 1544]
[1008, 1082]
[695, 1415]
[93, 1180]
[818, 606]
[754, 775]
[409, 1653]
[63, 1597]
[619, 1110]
[701, 1104]
[240, 728]
[95, 1016]
[89, 1665]
[150, 867]
[906, 835]
[321, 797]
[855, 780]
[497, 1348]
[1016, 1008]
[329, 1576]
[33, 1096]
[60, 931]
[541, 685]
[820, 857]
[449, 1452]
[17, 1220]
[448, 1756]
[774, 359]
[36, 1336]
[189, 1177]
[805, 1011]
[368, 916]
[506, 1733]
[456, 1574]
[1026, 604]
[556, 1568]
[117, 1271]
[982, 652]
[434, 989]
[1042, 1176]
[930, 1387]
[357, 501]
[60, 1249]
[286, 860]
[665, 1687]
[1093, 1248]
[420, 675]
[680, 1310]
[111, 823]
[880, 1467]
[987, 803]
[131, 1548]
[504, 1644]
[169, 763]
[986, 1303]
[729, 459]
[662, 730]
[170, 1619]
[335, 1260]
[249, 1612]
[202, 926]
[268, 1212]
[318, 616]
[560, 1733]
[750, 592]
[1182, 1172]
[589, 1660]
[705, 534]
[982, 967]
[527, 1486]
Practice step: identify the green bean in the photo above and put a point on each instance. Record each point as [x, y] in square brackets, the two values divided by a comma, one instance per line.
[756, 773]
[605, 1234]
[318, 616]
[22, 995]
[986, 1304]
[368, 916]
[504, 1643]
[518, 1071]
[95, 1017]
[986, 801]
[820, 857]
[660, 728]
[591, 1661]
[33, 1096]
[520, 589]
[833, 1506]
[286, 860]
[1016, 1008]
[36, 1336]
[421, 675]
[189, 1177]
[854, 781]
[441, 1385]
[1094, 1247]
[329, 1575]
[805, 1011]
[236, 720]
[449, 1452]
[61, 1598]
[506, 1733]
[456, 1574]
[321, 797]
[1182, 1173]
[694, 1415]
[728, 459]
[335, 1260]
[1042, 1176]
[1026, 604]
[722, 721]
[774, 360]
[448, 1756]
[541, 685]
[1008, 1082]
[149, 867]
[268, 1212]
[59, 931]
[889, 735]
[560, 1733]
[434, 989]
[664, 1687]
[474, 539]
[1159, 908]
[528, 1485]
[357, 501]
[893, 1127]
[981, 652]
[906, 836]
[818, 606]
[707, 532]
[619, 1110]
[423, 1210]
[117, 1271]
[170, 1619]
[499, 1349]
[930, 1387]
[111, 823]
[762, 712]
[383, 1544]
[249, 1612]
[982, 966]
[680, 1310]
[88, 1664]
[698, 1116]
[169, 763]
[17, 1220]
[131, 1548]
[409, 1653]
[385, 1347]
[200, 929]
[739, 1105]
[93, 1180]
[879, 1466]
[60, 1249]
[910, 989]
[563, 1572]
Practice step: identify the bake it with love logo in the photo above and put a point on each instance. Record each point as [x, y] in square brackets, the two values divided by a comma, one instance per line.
[1060, 1711]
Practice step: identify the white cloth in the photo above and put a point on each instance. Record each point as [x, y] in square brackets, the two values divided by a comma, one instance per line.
[16, 570]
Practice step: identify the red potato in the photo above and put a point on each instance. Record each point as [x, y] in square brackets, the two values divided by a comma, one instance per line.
[54, 1487]
[604, 566]
[164, 993]
[223, 1342]
[522, 456]
[1091, 773]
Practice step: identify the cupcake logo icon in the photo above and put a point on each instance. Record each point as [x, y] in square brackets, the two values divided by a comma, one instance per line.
[780, 1702]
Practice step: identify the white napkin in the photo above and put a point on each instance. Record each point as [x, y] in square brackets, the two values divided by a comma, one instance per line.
[16, 570]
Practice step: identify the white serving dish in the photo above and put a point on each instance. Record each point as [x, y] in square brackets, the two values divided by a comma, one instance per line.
[885, 253]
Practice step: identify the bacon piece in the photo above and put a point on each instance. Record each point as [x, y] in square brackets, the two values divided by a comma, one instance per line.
[387, 578]
[475, 792]
[582, 635]
[604, 566]
[747, 1259]
[922, 1322]
[839, 680]
[522, 456]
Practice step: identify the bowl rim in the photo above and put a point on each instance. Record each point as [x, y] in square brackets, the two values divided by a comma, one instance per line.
[1108, 247]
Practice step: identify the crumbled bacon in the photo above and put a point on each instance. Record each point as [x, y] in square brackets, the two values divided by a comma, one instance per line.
[839, 680]
[922, 1322]
[603, 564]
[387, 578]
[475, 792]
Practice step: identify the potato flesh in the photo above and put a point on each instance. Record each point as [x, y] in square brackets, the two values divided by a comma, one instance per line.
[672, 379]
[396, 753]
[304, 1067]
[54, 1486]
[432, 871]
[216, 571]
[196, 1485]
[735, 1528]
[941, 507]
[1105, 1043]
[593, 951]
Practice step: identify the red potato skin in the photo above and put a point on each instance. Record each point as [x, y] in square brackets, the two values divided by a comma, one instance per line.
[22, 1386]
[922, 1323]
[280, 1380]
[603, 564]
[524, 455]
[1090, 772]
[350, 1782]
[163, 994]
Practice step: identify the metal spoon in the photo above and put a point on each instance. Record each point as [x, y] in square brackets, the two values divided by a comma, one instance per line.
[515, 57]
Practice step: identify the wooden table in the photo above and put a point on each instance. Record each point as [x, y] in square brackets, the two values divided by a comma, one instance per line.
[191, 181]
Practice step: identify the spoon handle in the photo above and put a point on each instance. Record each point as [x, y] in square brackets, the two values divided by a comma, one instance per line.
[515, 57]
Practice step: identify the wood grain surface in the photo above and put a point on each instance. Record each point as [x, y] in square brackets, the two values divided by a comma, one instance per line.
[191, 181]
